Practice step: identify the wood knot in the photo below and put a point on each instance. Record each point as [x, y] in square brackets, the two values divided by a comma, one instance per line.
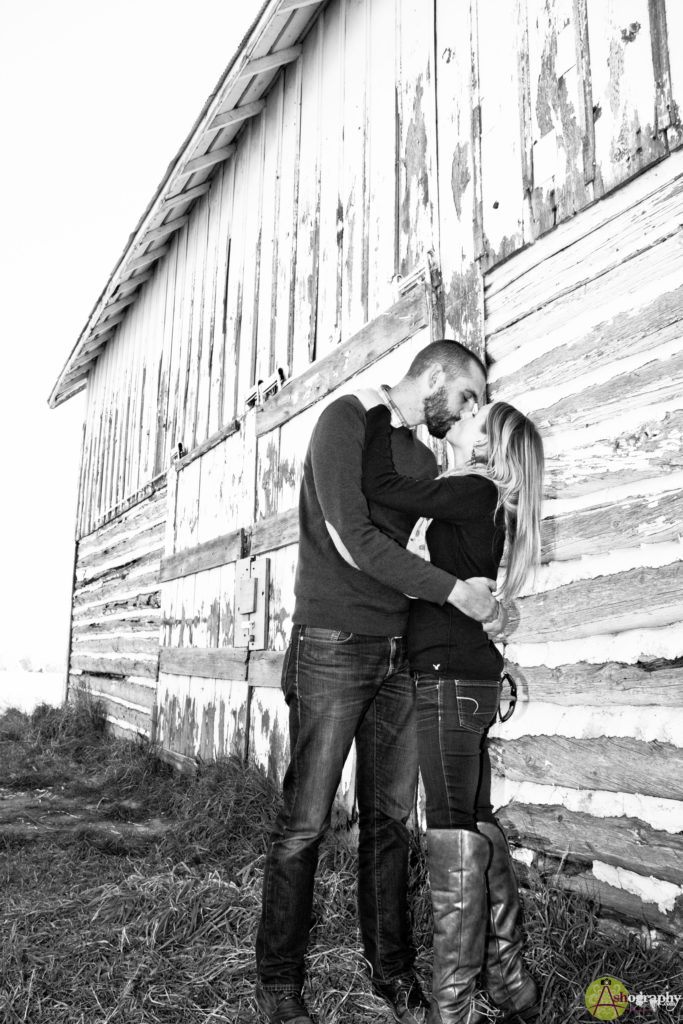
[630, 33]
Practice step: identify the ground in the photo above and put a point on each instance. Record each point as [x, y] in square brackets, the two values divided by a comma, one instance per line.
[132, 894]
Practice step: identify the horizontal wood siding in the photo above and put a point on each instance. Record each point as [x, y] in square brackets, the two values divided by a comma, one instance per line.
[116, 615]
[585, 336]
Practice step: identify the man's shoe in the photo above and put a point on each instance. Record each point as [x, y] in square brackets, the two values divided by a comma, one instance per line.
[404, 997]
[279, 1009]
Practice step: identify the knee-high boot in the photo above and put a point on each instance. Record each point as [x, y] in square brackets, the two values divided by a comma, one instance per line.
[458, 859]
[507, 980]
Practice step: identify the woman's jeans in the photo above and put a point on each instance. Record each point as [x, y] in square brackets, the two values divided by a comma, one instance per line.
[340, 687]
[454, 716]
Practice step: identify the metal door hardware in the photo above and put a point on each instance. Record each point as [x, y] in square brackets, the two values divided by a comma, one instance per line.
[251, 603]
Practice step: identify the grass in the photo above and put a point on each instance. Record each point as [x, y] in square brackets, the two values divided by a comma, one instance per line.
[132, 894]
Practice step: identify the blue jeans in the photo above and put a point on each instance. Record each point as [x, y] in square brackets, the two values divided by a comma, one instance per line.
[454, 716]
[340, 687]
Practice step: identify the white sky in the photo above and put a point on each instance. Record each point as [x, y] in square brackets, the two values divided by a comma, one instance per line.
[96, 97]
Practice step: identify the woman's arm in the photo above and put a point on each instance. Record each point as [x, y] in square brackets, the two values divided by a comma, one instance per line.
[450, 498]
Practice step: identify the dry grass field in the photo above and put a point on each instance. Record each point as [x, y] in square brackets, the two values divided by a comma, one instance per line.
[132, 894]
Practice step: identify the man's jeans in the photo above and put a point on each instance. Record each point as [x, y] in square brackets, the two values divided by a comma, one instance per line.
[339, 686]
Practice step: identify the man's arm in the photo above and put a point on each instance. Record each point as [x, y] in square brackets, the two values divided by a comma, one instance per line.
[337, 459]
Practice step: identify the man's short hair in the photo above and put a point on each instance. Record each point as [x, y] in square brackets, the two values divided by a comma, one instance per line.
[453, 357]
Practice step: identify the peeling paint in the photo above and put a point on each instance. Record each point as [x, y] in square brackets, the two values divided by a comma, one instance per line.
[460, 174]
[278, 753]
[269, 471]
[464, 308]
[538, 718]
[648, 889]
[416, 192]
[627, 647]
[661, 814]
[207, 732]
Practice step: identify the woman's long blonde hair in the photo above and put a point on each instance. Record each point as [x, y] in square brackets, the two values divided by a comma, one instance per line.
[514, 462]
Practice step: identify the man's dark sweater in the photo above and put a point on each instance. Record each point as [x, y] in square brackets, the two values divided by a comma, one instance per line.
[334, 517]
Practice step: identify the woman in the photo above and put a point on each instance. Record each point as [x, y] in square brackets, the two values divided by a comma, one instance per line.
[493, 494]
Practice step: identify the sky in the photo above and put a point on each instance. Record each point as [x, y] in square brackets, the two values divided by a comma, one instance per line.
[95, 100]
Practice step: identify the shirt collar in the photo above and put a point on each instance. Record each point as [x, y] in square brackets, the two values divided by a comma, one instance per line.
[397, 417]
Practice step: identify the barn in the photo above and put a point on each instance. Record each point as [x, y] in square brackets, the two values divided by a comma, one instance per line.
[366, 176]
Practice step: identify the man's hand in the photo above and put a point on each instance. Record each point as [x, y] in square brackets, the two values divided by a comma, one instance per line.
[474, 598]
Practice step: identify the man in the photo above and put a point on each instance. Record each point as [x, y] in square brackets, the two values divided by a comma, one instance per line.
[346, 678]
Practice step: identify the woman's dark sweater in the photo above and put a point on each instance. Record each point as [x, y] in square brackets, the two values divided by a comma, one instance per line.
[464, 540]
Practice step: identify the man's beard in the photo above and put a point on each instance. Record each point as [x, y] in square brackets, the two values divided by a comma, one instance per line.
[437, 415]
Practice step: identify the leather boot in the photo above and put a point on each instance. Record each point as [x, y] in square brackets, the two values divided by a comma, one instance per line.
[458, 860]
[507, 980]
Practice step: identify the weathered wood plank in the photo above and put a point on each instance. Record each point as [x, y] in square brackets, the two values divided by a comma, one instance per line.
[634, 286]
[455, 85]
[615, 764]
[624, 91]
[205, 354]
[294, 438]
[252, 197]
[605, 528]
[120, 549]
[641, 597]
[235, 284]
[218, 324]
[623, 902]
[267, 312]
[500, 64]
[277, 531]
[209, 555]
[650, 447]
[265, 668]
[89, 580]
[137, 643]
[308, 206]
[226, 604]
[145, 619]
[583, 837]
[647, 684]
[118, 664]
[289, 174]
[403, 320]
[162, 447]
[418, 228]
[196, 347]
[280, 606]
[146, 508]
[125, 689]
[644, 327]
[125, 591]
[213, 663]
[332, 211]
[622, 237]
[354, 182]
[268, 733]
[657, 381]
[200, 163]
[557, 104]
[211, 442]
[674, 38]
[179, 339]
[267, 463]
